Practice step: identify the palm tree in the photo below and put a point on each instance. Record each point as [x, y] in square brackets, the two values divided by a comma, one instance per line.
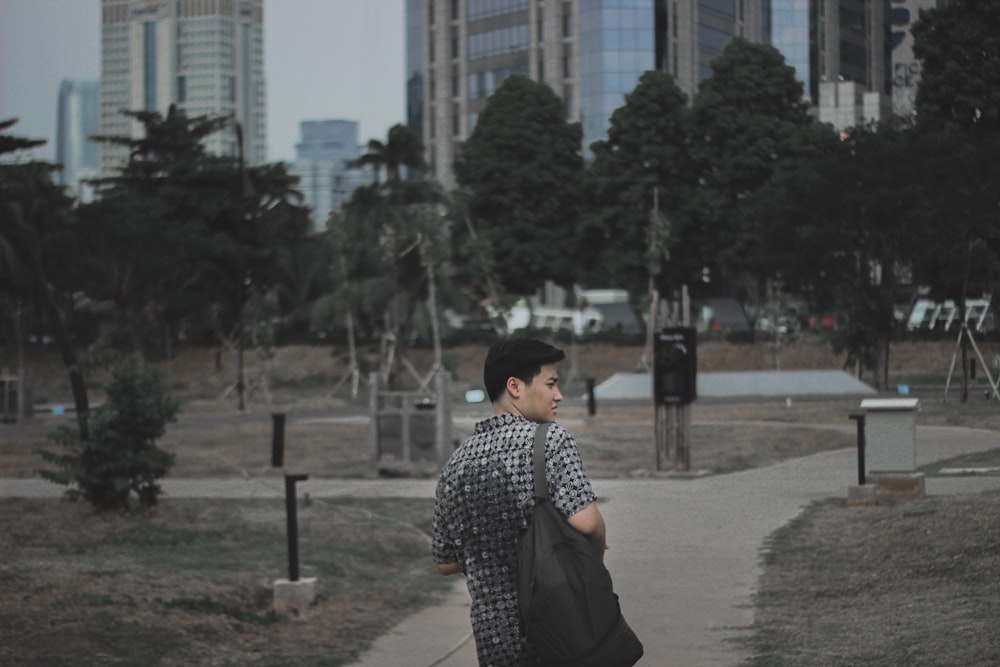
[402, 148]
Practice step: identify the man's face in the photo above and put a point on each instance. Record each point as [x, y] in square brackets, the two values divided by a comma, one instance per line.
[540, 399]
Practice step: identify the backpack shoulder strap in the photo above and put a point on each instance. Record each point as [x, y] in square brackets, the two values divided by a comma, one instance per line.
[541, 486]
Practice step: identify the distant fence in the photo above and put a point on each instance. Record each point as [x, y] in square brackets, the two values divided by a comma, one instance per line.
[411, 430]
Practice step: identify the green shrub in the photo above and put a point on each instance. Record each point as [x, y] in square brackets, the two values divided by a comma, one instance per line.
[121, 455]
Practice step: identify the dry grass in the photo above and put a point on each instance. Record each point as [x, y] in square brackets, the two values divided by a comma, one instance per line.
[191, 582]
[906, 584]
[911, 584]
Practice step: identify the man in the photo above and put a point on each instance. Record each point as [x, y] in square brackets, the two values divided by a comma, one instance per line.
[485, 492]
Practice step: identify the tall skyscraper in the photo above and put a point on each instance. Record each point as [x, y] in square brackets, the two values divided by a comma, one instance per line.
[905, 67]
[205, 56]
[592, 53]
[323, 154]
[76, 121]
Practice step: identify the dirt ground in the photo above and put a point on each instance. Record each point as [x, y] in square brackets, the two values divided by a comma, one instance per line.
[913, 583]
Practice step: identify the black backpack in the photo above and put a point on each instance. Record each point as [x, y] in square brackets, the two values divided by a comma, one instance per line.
[568, 605]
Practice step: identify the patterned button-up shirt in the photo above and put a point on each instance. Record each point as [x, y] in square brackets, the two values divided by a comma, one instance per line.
[483, 498]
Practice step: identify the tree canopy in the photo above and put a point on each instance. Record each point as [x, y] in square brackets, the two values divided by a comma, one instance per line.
[35, 218]
[749, 121]
[521, 168]
[644, 164]
[958, 46]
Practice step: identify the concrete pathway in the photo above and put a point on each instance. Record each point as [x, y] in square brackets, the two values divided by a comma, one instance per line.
[684, 553]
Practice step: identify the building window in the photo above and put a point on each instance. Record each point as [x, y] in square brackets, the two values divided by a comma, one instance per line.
[567, 19]
[454, 42]
[456, 119]
[149, 65]
[456, 88]
[181, 89]
[567, 60]
[454, 10]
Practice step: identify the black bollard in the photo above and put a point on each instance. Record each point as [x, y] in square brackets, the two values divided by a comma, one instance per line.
[591, 401]
[860, 418]
[277, 440]
[292, 516]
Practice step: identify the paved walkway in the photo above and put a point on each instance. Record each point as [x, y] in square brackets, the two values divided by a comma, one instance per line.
[684, 553]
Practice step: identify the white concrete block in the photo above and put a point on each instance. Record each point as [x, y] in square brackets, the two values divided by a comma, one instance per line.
[289, 595]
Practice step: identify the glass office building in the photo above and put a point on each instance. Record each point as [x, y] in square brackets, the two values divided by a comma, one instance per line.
[616, 46]
[321, 162]
[793, 33]
[205, 56]
[76, 122]
[592, 53]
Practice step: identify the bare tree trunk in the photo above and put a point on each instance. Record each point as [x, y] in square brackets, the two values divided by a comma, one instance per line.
[352, 353]
[487, 268]
[241, 405]
[140, 355]
[646, 363]
[964, 338]
[432, 309]
[19, 344]
[70, 362]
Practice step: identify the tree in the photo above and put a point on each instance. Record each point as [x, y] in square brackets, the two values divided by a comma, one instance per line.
[260, 216]
[33, 212]
[145, 235]
[379, 254]
[848, 227]
[958, 45]
[121, 456]
[402, 148]
[960, 257]
[302, 278]
[750, 121]
[522, 169]
[16, 283]
[217, 228]
[642, 165]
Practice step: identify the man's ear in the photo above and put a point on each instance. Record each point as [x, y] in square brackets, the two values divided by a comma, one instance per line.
[513, 387]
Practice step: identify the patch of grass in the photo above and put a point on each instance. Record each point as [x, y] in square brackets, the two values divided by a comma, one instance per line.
[92, 600]
[208, 606]
[910, 583]
[148, 535]
[193, 580]
[987, 459]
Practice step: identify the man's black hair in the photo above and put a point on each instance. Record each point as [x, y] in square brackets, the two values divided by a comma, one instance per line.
[518, 357]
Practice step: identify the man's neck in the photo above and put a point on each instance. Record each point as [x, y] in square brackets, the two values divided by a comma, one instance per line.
[503, 407]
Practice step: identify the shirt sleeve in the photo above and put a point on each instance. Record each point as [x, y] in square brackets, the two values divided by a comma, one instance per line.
[446, 538]
[569, 484]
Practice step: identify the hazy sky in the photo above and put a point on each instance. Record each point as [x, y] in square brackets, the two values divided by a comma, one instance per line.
[323, 59]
